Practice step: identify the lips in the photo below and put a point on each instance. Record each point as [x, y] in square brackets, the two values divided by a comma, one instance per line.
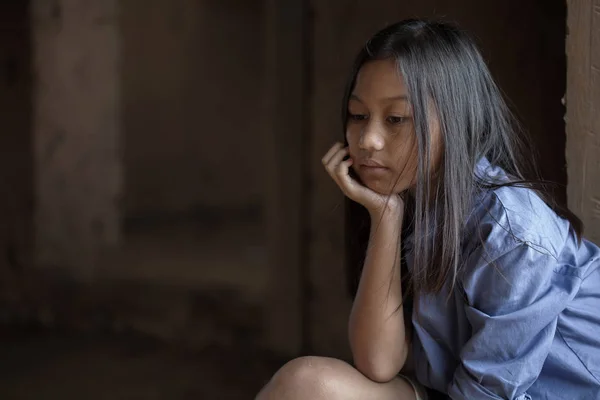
[369, 163]
[369, 169]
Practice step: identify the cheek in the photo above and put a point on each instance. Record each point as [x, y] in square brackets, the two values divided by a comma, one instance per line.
[403, 149]
[406, 158]
[352, 138]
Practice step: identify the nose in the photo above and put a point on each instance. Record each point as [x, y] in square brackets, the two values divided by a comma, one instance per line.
[371, 138]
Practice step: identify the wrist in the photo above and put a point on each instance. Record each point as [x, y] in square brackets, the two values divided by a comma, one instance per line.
[392, 210]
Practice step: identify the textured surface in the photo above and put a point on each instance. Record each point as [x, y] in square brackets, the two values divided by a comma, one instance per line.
[192, 84]
[583, 113]
[76, 132]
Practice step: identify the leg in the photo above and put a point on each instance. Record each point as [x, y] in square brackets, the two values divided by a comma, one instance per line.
[320, 378]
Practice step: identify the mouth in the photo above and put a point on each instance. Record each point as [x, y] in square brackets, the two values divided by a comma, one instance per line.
[371, 164]
[371, 169]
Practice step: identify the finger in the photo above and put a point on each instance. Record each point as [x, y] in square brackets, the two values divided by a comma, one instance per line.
[351, 187]
[335, 175]
[332, 151]
[334, 163]
[336, 159]
[345, 181]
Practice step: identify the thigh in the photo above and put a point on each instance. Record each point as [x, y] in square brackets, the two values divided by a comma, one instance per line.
[328, 378]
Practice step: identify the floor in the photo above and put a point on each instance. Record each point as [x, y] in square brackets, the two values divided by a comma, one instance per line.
[50, 365]
[176, 314]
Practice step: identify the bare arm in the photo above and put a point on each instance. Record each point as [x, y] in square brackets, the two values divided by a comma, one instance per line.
[376, 327]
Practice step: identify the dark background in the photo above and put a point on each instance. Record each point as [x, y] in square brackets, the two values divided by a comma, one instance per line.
[190, 246]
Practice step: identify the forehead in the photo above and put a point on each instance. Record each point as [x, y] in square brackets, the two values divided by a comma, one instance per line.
[379, 79]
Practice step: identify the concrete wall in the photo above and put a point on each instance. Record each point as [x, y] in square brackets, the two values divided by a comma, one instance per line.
[77, 162]
[192, 84]
[583, 113]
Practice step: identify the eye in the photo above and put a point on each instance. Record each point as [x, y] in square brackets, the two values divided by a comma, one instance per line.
[396, 120]
[356, 117]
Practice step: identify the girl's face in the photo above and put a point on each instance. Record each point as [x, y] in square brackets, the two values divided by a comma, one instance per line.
[380, 130]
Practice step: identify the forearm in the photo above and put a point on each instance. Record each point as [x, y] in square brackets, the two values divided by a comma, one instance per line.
[376, 328]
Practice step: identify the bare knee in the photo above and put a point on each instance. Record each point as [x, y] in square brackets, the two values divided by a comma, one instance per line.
[302, 378]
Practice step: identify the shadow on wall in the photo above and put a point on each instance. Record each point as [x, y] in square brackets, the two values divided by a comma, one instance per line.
[16, 160]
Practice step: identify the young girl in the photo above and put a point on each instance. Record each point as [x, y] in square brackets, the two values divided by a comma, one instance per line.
[504, 292]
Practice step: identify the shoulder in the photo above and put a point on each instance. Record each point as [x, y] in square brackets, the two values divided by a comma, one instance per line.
[508, 217]
[512, 249]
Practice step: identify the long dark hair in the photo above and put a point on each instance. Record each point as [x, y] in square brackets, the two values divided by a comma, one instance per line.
[442, 67]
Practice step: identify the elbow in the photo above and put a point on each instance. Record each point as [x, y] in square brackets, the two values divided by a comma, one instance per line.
[380, 359]
[380, 369]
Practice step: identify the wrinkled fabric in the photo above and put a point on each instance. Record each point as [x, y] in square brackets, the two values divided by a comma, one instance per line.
[523, 320]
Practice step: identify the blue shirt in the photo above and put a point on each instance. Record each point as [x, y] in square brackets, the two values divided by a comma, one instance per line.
[523, 320]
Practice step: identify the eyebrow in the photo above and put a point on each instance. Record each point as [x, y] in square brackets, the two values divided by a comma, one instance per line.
[401, 97]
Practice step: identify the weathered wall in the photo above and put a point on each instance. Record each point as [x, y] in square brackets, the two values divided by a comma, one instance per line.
[192, 81]
[286, 99]
[524, 43]
[183, 81]
[583, 113]
[76, 163]
[16, 202]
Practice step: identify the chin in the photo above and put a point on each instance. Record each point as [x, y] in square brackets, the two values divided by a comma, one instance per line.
[385, 189]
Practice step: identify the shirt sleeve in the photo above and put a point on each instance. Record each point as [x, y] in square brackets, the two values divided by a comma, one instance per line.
[512, 302]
